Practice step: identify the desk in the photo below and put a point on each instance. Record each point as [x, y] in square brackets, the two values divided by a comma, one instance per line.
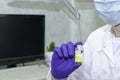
[34, 72]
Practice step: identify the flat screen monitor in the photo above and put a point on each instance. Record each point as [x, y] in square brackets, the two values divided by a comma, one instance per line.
[21, 38]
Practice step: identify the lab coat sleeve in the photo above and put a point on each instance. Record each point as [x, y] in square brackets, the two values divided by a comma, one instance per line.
[84, 71]
[49, 76]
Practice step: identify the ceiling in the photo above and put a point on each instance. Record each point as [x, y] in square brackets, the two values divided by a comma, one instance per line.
[83, 0]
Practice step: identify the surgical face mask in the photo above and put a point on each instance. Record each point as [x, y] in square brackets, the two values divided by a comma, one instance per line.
[109, 11]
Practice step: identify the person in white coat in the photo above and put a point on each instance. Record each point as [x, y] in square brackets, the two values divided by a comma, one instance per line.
[101, 56]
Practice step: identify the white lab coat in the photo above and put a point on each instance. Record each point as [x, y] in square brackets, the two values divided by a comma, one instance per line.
[99, 61]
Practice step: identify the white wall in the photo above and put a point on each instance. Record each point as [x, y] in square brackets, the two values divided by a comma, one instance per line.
[89, 18]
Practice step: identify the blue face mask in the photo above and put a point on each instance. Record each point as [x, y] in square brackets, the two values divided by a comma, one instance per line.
[109, 11]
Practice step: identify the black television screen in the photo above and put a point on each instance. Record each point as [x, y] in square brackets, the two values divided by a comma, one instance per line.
[21, 37]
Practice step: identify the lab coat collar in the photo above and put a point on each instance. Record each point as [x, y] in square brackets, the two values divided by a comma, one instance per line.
[108, 49]
[108, 45]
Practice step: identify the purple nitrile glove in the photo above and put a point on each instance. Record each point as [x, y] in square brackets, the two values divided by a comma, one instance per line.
[63, 60]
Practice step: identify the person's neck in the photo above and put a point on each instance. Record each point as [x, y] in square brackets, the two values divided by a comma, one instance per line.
[116, 31]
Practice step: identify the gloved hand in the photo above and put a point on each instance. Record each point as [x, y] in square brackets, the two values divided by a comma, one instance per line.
[63, 60]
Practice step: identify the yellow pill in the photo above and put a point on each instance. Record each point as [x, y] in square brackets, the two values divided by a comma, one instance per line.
[78, 58]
